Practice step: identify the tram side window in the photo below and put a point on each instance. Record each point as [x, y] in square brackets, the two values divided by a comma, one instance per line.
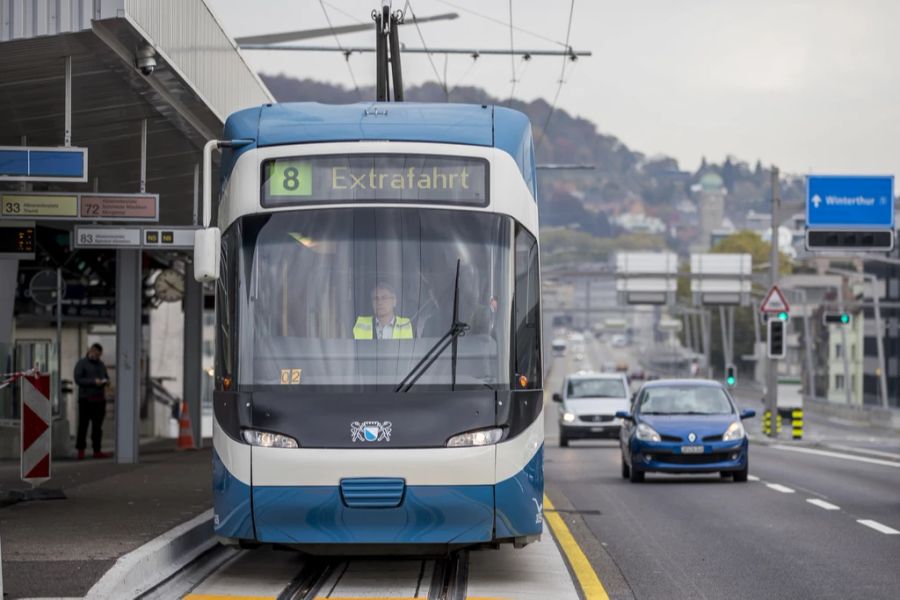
[225, 306]
[526, 322]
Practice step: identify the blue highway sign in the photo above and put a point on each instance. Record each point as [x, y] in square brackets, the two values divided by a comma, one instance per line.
[849, 202]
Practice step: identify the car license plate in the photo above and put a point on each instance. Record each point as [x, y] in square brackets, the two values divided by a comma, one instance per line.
[692, 449]
[598, 429]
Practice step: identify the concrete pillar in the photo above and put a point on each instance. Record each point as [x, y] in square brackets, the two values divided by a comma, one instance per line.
[128, 354]
[9, 271]
[193, 351]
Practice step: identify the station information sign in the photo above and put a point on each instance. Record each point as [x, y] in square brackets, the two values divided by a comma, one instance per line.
[158, 238]
[79, 207]
[38, 206]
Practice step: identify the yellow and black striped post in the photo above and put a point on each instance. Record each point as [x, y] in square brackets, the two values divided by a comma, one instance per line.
[766, 422]
[778, 423]
[797, 424]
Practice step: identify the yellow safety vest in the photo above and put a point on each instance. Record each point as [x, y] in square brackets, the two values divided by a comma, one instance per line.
[363, 330]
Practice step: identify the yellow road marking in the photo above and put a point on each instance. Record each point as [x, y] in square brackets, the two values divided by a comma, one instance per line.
[584, 572]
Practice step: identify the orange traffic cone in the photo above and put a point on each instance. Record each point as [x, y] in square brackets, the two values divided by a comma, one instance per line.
[185, 433]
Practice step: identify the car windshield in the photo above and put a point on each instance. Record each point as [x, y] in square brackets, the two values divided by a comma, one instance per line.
[685, 400]
[596, 388]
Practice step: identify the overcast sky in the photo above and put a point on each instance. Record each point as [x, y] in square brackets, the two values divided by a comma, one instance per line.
[808, 85]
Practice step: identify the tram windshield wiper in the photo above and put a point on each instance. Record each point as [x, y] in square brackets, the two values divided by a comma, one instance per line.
[457, 328]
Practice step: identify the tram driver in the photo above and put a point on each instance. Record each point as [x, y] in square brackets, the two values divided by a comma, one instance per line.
[384, 324]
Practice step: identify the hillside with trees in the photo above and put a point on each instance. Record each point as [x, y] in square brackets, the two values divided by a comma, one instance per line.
[622, 181]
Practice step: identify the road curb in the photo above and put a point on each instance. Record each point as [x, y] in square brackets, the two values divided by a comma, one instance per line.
[149, 565]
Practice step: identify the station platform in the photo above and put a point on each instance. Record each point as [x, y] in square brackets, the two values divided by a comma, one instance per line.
[74, 547]
[61, 548]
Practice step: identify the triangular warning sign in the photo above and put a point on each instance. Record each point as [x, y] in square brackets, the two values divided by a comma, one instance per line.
[775, 302]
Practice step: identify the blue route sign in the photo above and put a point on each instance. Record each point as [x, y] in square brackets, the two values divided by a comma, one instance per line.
[849, 202]
[24, 163]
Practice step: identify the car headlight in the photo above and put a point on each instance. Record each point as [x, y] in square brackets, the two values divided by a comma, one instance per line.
[735, 431]
[568, 417]
[482, 437]
[267, 439]
[646, 433]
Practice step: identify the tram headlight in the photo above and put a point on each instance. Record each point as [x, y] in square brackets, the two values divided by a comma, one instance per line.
[267, 439]
[481, 437]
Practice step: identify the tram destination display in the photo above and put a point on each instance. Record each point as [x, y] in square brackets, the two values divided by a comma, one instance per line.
[360, 178]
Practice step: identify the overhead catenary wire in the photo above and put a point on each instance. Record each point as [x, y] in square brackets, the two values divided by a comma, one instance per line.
[562, 79]
[501, 22]
[346, 54]
[346, 14]
[467, 72]
[441, 81]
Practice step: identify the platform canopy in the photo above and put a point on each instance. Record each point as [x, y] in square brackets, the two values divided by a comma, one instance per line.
[200, 78]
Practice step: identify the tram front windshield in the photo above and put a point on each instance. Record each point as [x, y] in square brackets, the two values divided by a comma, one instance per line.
[357, 297]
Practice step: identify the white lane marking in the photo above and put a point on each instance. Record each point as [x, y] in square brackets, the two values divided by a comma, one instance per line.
[752, 478]
[780, 488]
[823, 504]
[878, 526]
[889, 455]
[871, 461]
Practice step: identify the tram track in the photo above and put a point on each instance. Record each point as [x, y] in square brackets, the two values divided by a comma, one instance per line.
[310, 580]
[450, 577]
[446, 577]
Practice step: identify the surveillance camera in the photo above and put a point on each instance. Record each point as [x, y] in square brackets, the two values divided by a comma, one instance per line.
[146, 60]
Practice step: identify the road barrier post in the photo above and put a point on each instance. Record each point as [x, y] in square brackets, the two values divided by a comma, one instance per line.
[797, 424]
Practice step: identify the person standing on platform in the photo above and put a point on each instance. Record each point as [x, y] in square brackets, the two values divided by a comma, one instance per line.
[91, 378]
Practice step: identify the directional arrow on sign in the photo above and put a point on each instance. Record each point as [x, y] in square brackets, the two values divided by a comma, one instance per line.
[775, 302]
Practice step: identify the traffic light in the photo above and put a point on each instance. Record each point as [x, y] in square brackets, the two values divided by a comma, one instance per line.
[836, 319]
[730, 375]
[776, 345]
[783, 316]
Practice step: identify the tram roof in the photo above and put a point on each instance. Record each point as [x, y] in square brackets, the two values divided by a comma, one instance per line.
[311, 122]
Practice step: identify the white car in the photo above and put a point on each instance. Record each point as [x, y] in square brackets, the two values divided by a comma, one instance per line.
[588, 403]
[618, 341]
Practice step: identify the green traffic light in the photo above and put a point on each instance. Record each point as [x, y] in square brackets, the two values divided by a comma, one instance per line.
[845, 318]
[731, 381]
[783, 316]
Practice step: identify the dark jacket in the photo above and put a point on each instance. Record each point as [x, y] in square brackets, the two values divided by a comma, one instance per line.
[86, 371]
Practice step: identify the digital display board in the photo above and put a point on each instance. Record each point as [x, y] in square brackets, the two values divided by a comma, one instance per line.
[17, 241]
[362, 178]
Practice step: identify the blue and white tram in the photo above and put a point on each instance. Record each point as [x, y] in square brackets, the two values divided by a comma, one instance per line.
[378, 347]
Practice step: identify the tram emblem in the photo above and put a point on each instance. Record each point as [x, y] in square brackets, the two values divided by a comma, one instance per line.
[370, 431]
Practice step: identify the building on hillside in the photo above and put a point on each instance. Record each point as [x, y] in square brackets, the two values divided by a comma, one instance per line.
[710, 193]
[639, 223]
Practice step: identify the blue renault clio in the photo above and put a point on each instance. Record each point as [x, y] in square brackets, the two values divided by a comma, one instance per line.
[684, 426]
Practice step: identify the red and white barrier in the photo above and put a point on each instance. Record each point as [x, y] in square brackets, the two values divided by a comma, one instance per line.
[36, 427]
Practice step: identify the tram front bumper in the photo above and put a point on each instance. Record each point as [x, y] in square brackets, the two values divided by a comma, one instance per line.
[425, 515]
